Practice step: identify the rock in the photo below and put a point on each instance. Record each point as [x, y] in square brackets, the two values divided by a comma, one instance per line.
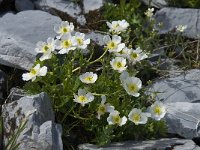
[96, 37]
[3, 86]
[172, 17]
[15, 94]
[6, 12]
[156, 3]
[182, 118]
[182, 88]
[64, 9]
[162, 144]
[47, 137]
[91, 5]
[21, 5]
[20, 33]
[40, 130]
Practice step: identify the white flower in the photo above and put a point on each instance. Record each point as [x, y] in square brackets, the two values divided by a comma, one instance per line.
[119, 64]
[63, 28]
[45, 48]
[181, 28]
[80, 40]
[137, 55]
[138, 117]
[114, 44]
[66, 44]
[125, 52]
[114, 118]
[131, 84]
[83, 97]
[157, 110]
[116, 27]
[103, 108]
[88, 77]
[149, 12]
[34, 72]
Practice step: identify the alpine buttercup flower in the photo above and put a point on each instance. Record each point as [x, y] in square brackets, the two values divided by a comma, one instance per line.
[66, 44]
[114, 118]
[136, 55]
[116, 27]
[81, 42]
[138, 117]
[132, 85]
[34, 72]
[88, 77]
[83, 97]
[119, 64]
[114, 44]
[63, 28]
[45, 48]
[157, 110]
[103, 108]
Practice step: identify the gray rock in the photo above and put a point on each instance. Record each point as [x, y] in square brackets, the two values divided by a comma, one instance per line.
[91, 5]
[156, 3]
[15, 94]
[40, 130]
[162, 144]
[21, 5]
[182, 118]
[96, 37]
[172, 17]
[182, 88]
[20, 33]
[64, 9]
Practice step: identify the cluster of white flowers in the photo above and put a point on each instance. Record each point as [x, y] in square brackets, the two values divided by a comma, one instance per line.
[67, 40]
[149, 12]
[156, 111]
[123, 54]
[116, 27]
[181, 28]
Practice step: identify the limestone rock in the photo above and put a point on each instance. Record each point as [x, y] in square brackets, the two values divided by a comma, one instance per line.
[63, 9]
[162, 144]
[40, 131]
[181, 88]
[182, 118]
[19, 33]
[91, 5]
[156, 3]
[172, 17]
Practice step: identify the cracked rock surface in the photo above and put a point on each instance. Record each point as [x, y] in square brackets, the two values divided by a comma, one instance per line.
[162, 144]
[172, 17]
[40, 132]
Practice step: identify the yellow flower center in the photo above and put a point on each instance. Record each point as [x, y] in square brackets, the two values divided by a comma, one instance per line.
[136, 117]
[82, 98]
[64, 30]
[116, 119]
[80, 41]
[66, 43]
[132, 87]
[45, 48]
[134, 55]
[118, 65]
[115, 26]
[33, 71]
[111, 45]
[102, 109]
[88, 78]
[157, 110]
